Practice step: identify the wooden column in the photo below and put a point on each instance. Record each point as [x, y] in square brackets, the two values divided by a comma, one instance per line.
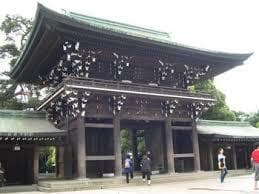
[81, 153]
[36, 154]
[60, 160]
[117, 146]
[134, 146]
[197, 165]
[169, 145]
[211, 161]
[68, 161]
[234, 156]
[246, 157]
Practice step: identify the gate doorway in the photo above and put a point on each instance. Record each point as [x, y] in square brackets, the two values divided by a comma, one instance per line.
[17, 164]
[139, 137]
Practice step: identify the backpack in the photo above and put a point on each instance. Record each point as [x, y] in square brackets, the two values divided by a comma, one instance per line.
[127, 163]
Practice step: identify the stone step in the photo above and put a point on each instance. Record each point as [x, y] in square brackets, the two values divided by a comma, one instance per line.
[102, 183]
[19, 188]
[67, 183]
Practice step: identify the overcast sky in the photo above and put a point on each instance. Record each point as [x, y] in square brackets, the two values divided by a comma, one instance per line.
[224, 25]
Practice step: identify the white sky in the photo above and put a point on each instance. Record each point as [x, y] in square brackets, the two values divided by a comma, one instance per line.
[224, 25]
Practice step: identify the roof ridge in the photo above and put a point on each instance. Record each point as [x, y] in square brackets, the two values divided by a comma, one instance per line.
[125, 26]
[224, 122]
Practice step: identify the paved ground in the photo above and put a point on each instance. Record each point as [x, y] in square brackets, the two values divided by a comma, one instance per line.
[242, 184]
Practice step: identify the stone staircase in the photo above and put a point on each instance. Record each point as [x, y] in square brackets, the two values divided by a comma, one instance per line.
[18, 188]
[102, 183]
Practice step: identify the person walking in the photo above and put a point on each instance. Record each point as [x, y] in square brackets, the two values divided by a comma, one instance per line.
[222, 164]
[146, 169]
[128, 167]
[255, 163]
[132, 166]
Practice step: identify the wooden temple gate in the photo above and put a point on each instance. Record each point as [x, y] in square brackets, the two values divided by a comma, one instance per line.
[105, 75]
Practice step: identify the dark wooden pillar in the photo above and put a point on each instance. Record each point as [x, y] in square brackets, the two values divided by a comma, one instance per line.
[134, 146]
[211, 161]
[117, 146]
[81, 153]
[234, 156]
[197, 164]
[169, 145]
[246, 157]
[60, 161]
[36, 155]
[64, 161]
[68, 161]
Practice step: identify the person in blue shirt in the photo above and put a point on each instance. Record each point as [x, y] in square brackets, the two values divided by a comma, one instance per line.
[128, 167]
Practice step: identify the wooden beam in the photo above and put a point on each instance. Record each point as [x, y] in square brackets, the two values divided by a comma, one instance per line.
[142, 117]
[182, 127]
[98, 125]
[187, 155]
[97, 158]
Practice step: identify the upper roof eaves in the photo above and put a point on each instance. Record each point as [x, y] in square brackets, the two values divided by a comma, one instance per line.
[145, 33]
[130, 32]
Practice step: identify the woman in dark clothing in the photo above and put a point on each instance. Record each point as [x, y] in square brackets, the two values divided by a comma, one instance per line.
[132, 166]
[128, 166]
[146, 169]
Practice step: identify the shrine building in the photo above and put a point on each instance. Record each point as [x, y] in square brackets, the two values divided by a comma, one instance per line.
[105, 76]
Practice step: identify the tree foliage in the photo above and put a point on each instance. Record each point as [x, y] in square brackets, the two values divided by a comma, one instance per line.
[16, 30]
[48, 159]
[221, 110]
[241, 116]
[125, 141]
[254, 119]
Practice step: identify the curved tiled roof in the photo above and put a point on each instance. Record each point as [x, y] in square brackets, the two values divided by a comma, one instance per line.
[27, 123]
[44, 38]
[230, 129]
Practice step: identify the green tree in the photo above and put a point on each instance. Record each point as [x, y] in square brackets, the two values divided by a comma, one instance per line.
[125, 141]
[257, 125]
[51, 162]
[48, 159]
[16, 30]
[241, 116]
[220, 111]
[254, 119]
